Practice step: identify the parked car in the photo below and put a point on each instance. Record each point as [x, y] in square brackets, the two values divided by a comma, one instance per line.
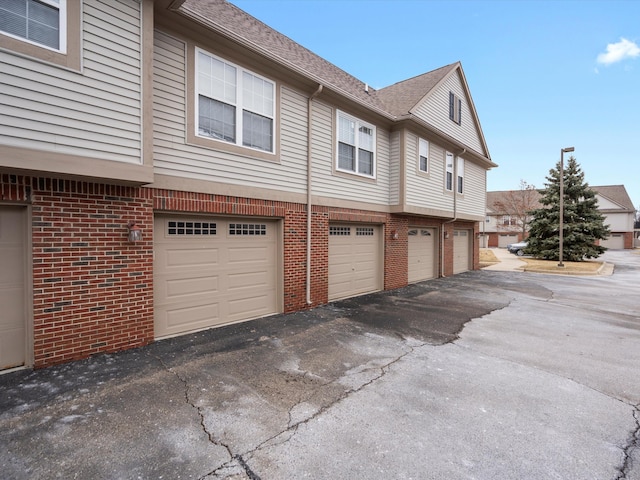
[517, 248]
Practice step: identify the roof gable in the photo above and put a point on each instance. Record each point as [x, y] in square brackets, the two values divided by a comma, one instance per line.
[400, 98]
[615, 196]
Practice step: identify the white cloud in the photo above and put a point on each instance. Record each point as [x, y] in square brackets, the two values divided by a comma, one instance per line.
[616, 52]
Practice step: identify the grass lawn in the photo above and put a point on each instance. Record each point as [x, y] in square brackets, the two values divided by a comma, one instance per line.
[588, 267]
[551, 266]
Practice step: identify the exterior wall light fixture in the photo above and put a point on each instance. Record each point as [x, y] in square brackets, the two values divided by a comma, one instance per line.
[394, 234]
[135, 232]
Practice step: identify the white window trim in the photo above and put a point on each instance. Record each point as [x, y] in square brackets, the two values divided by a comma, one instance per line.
[448, 168]
[238, 104]
[62, 33]
[460, 176]
[422, 142]
[359, 123]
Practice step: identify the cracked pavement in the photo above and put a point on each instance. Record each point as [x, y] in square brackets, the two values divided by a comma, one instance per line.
[484, 375]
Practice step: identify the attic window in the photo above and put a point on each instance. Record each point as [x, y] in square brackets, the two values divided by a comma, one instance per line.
[455, 108]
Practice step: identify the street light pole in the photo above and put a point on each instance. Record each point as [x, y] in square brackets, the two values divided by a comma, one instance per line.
[561, 221]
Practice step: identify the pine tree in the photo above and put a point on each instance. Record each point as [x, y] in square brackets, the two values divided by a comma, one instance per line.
[583, 222]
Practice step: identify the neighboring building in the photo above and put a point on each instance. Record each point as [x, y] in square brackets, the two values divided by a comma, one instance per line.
[212, 135]
[506, 223]
[619, 213]
[508, 216]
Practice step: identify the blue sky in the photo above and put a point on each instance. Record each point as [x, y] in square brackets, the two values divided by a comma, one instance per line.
[543, 74]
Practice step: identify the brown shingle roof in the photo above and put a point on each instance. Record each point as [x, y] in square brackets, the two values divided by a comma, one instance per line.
[617, 194]
[399, 98]
[395, 100]
[236, 23]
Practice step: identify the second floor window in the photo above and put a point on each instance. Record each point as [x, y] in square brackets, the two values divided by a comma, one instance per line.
[460, 175]
[234, 105]
[448, 181]
[356, 146]
[423, 157]
[41, 22]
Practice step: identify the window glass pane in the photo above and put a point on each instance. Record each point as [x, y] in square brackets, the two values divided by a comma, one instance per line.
[365, 138]
[424, 148]
[346, 131]
[449, 181]
[45, 31]
[365, 162]
[13, 17]
[257, 95]
[32, 20]
[216, 119]
[257, 131]
[216, 79]
[424, 166]
[346, 157]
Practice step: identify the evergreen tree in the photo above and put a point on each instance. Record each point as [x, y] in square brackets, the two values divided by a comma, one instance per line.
[583, 222]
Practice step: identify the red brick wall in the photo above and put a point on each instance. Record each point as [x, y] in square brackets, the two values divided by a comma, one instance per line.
[396, 252]
[92, 289]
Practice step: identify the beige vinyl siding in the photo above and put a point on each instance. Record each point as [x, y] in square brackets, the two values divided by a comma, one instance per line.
[328, 183]
[394, 169]
[173, 156]
[426, 191]
[95, 113]
[473, 201]
[435, 110]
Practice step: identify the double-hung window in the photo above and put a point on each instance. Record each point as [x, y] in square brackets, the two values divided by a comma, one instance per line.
[40, 22]
[460, 174]
[233, 104]
[455, 108]
[356, 146]
[423, 156]
[448, 180]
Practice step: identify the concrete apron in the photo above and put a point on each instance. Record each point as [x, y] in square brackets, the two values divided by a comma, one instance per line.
[480, 375]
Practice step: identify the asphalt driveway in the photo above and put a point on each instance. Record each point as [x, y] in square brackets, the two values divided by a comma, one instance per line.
[484, 375]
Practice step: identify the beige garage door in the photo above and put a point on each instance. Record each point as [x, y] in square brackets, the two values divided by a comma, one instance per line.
[13, 314]
[461, 250]
[614, 242]
[355, 260]
[213, 271]
[422, 254]
[505, 239]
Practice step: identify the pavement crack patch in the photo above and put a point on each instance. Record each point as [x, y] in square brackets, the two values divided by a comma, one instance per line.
[292, 428]
[232, 456]
[633, 443]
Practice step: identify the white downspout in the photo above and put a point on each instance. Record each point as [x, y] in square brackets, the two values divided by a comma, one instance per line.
[455, 203]
[309, 182]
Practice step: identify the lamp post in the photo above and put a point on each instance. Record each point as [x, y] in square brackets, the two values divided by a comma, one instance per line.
[561, 222]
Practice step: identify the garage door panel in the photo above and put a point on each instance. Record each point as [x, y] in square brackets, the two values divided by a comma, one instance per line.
[354, 260]
[461, 250]
[506, 239]
[192, 286]
[182, 258]
[246, 254]
[252, 306]
[13, 287]
[614, 242]
[190, 317]
[421, 254]
[228, 275]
